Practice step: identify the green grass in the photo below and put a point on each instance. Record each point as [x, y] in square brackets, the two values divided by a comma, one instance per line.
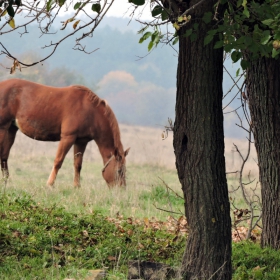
[51, 243]
[63, 232]
[250, 261]
[38, 242]
[30, 176]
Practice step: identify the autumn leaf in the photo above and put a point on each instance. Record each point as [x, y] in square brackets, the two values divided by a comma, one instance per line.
[75, 24]
[176, 26]
[12, 23]
[64, 24]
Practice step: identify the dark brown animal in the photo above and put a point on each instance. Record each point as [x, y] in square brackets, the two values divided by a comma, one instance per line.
[73, 115]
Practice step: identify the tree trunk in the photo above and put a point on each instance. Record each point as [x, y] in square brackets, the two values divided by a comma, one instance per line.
[263, 86]
[199, 150]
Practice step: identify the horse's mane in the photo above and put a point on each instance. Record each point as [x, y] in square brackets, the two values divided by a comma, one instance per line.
[108, 113]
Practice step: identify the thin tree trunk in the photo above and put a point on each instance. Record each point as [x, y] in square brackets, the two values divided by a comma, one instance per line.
[263, 86]
[199, 150]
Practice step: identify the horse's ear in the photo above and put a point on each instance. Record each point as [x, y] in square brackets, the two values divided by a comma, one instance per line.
[126, 152]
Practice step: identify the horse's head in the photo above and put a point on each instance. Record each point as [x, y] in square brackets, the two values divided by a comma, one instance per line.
[114, 169]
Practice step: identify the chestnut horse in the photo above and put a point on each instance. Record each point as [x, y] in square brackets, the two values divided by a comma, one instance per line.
[73, 115]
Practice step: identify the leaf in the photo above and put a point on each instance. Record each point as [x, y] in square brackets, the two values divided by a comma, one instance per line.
[76, 24]
[142, 30]
[244, 64]
[64, 24]
[145, 37]
[208, 39]
[239, 2]
[246, 12]
[244, 3]
[195, 26]
[235, 56]
[274, 53]
[237, 72]
[265, 37]
[188, 33]
[207, 17]
[248, 40]
[150, 46]
[176, 26]
[96, 7]
[5, 12]
[219, 44]
[154, 35]
[10, 11]
[180, 19]
[137, 2]
[77, 5]
[268, 21]
[61, 2]
[49, 4]
[193, 37]
[12, 23]
[175, 40]
[164, 15]
[156, 11]
[276, 44]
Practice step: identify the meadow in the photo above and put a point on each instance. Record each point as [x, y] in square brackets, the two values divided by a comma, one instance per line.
[150, 167]
[63, 232]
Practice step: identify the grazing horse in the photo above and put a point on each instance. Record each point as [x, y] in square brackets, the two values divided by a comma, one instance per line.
[73, 115]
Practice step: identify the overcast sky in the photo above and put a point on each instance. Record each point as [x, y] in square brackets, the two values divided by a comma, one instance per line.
[122, 8]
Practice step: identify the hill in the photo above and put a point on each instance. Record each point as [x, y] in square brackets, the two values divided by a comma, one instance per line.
[139, 86]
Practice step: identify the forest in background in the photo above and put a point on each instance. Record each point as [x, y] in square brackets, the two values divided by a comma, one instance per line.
[139, 85]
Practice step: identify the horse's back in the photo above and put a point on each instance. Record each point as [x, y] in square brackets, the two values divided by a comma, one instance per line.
[42, 112]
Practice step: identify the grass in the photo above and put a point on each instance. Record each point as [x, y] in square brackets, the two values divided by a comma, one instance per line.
[142, 181]
[250, 261]
[39, 242]
[63, 233]
[51, 243]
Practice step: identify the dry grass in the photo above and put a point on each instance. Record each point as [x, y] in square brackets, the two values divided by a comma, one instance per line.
[150, 160]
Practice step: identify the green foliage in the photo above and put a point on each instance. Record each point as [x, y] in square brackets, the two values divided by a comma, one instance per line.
[50, 243]
[249, 27]
[49, 4]
[137, 2]
[10, 11]
[250, 261]
[96, 7]
[157, 10]
[77, 5]
[155, 37]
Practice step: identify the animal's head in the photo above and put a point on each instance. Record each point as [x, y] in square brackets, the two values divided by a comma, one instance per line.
[114, 169]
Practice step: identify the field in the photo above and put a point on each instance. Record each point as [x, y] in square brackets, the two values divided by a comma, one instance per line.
[47, 233]
[150, 165]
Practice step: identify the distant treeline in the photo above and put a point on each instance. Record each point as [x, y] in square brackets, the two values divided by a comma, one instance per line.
[139, 86]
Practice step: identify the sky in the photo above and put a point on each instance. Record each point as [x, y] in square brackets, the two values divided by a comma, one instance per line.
[122, 8]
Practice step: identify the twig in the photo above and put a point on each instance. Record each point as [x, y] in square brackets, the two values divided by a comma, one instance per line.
[168, 211]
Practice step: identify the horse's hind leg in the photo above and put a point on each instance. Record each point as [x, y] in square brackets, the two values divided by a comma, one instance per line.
[64, 146]
[9, 138]
[79, 149]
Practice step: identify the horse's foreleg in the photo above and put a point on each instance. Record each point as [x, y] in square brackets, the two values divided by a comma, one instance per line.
[64, 146]
[6, 147]
[79, 149]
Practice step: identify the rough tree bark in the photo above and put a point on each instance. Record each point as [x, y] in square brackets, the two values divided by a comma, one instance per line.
[263, 87]
[199, 150]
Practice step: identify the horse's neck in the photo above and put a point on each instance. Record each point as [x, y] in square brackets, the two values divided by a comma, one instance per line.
[109, 139]
[107, 147]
